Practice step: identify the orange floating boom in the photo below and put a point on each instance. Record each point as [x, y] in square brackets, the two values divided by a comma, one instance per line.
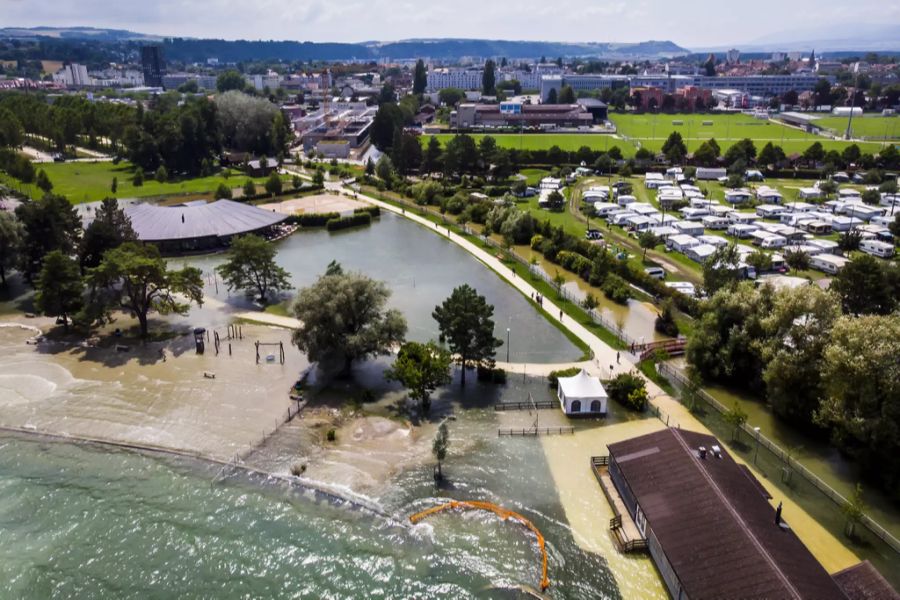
[501, 512]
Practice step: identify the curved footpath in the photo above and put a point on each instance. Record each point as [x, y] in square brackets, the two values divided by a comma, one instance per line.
[607, 362]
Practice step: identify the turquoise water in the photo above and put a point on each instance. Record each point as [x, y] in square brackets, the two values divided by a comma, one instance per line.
[86, 522]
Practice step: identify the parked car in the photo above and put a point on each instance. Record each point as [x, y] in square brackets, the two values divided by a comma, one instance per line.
[655, 272]
[593, 234]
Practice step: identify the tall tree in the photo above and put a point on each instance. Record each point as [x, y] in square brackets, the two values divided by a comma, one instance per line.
[421, 368]
[721, 269]
[230, 80]
[674, 148]
[50, 223]
[867, 285]
[466, 323]
[10, 240]
[110, 228]
[432, 157]
[344, 316]
[60, 289]
[567, 95]
[251, 267]
[136, 279]
[489, 79]
[420, 77]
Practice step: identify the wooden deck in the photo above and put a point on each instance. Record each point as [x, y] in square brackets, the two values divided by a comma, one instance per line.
[623, 528]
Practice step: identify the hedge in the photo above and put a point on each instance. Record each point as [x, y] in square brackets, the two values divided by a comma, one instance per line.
[355, 220]
[553, 377]
[374, 211]
[315, 219]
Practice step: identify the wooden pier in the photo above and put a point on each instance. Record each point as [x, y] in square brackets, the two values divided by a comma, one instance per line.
[626, 534]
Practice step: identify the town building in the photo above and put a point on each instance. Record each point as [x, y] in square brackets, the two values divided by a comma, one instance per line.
[154, 65]
[73, 75]
[464, 79]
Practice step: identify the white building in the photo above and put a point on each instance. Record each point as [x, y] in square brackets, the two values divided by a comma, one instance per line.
[464, 79]
[582, 394]
[74, 75]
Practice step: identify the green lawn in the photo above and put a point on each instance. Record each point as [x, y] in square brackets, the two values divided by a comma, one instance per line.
[870, 126]
[544, 141]
[87, 182]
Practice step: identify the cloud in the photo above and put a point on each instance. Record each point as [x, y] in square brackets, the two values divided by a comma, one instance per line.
[687, 22]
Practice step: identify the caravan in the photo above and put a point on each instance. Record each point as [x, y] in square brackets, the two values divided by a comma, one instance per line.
[877, 248]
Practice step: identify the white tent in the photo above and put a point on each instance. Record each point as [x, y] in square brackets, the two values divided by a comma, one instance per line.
[582, 394]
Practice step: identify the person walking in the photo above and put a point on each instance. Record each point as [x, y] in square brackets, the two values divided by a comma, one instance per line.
[617, 358]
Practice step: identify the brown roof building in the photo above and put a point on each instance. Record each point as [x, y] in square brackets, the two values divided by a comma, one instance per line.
[708, 523]
[515, 114]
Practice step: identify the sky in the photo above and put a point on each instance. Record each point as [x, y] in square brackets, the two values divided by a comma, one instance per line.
[689, 23]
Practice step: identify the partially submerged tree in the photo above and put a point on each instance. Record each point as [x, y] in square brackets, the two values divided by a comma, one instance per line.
[421, 368]
[251, 267]
[136, 279]
[48, 224]
[60, 290]
[466, 323]
[439, 448]
[736, 417]
[344, 316]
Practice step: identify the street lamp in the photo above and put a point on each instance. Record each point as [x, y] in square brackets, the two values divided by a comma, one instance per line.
[756, 452]
[507, 345]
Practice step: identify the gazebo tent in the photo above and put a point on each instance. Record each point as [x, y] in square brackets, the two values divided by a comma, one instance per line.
[582, 394]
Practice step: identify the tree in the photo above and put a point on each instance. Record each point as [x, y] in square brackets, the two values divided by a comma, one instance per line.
[223, 192]
[137, 179]
[465, 320]
[797, 260]
[867, 286]
[137, 280]
[273, 184]
[12, 133]
[849, 240]
[59, 287]
[647, 241]
[114, 186]
[736, 417]
[759, 260]
[318, 178]
[344, 316]
[665, 320]
[721, 269]
[249, 188]
[431, 158]
[370, 166]
[814, 153]
[853, 510]
[48, 224]
[796, 331]
[421, 368]
[861, 379]
[823, 92]
[674, 148]
[388, 119]
[771, 155]
[43, 182]
[488, 79]
[566, 95]
[110, 228]
[590, 302]
[555, 201]
[439, 447]
[251, 267]
[709, 67]
[552, 97]
[629, 390]
[451, 96]
[10, 239]
[230, 80]
[251, 124]
[384, 168]
[161, 174]
[420, 77]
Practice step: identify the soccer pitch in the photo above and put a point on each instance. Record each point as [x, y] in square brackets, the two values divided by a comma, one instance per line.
[868, 126]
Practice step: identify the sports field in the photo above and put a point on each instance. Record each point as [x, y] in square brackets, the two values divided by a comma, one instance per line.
[86, 182]
[868, 126]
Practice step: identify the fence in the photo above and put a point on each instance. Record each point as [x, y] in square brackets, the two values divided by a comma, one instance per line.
[790, 464]
[536, 431]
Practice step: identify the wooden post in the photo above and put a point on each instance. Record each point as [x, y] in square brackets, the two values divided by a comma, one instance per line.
[229, 349]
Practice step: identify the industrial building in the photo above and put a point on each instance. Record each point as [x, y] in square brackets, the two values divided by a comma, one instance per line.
[519, 115]
[154, 65]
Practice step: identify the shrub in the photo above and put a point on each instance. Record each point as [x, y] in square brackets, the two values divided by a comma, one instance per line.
[490, 375]
[356, 220]
[536, 241]
[316, 219]
[665, 321]
[223, 192]
[553, 377]
[331, 435]
[629, 390]
[374, 211]
[616, 289]
[574, 262]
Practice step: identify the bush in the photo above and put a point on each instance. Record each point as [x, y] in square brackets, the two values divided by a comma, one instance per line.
[356, 220]
[629, 390]
[616, 289]
[223, 192]
[536, 241]
[331, 435]
[665, 321]
[373, 211]
[489, 375]
[315, 219]
[574, 262]
[553, 377]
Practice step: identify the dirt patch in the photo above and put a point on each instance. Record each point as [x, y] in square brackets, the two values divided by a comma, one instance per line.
[320, 203]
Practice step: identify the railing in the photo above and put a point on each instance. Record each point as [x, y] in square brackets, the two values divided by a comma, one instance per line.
[879, 531]
[632, 545]
[615, 522]
[671, 347]
[535, 431]
[600, 461]
[539, 404]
